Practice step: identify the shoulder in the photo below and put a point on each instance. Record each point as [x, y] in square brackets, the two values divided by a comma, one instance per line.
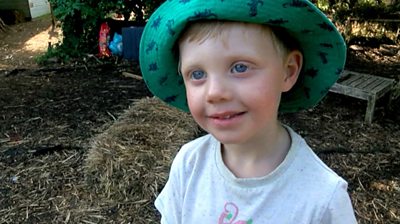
[311, 170]
[321, 185]
[183, 170]
[196, 147]
[194, 152]
[308, 161]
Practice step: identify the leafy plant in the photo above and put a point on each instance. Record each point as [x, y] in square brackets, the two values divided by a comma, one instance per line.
[81, 19]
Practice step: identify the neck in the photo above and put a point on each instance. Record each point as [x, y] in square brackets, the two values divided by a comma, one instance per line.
[258, 157]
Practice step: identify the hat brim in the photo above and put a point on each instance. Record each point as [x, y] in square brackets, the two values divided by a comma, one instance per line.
[323, 47]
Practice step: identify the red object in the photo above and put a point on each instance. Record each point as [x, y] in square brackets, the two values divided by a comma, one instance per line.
[104, 37]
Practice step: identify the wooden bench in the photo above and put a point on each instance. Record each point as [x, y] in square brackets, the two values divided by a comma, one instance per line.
[363, 86]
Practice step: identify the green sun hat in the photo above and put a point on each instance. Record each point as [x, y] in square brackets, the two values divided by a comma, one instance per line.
[323, 47]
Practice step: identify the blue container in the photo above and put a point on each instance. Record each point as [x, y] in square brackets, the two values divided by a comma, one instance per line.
[131, 41]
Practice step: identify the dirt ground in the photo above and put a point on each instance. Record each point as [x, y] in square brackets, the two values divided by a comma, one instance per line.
[50, 114]
[23, 42]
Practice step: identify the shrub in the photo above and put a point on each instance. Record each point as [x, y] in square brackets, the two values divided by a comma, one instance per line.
[81, 19]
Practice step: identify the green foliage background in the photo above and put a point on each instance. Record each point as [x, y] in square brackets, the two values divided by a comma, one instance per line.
[80, 19]
[361, 9]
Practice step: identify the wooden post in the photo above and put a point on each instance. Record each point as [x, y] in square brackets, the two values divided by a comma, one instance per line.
[369, 113]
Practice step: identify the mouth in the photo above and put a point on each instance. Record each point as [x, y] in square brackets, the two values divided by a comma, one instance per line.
[226, 115]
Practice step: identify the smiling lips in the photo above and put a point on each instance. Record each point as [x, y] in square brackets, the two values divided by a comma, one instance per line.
[226, 120]
[225, 115]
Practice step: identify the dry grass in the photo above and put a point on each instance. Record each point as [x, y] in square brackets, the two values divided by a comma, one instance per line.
[114, 182]
[130, 161]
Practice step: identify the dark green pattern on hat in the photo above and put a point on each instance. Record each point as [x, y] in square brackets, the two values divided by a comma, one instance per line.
[322, 45]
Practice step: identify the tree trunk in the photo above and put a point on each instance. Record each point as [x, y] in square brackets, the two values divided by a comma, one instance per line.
[53, 18]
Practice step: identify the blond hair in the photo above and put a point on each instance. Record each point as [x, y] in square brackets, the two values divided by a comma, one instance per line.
[200, 31]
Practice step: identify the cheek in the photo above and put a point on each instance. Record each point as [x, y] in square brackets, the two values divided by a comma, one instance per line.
[264, 94]
[189, 97]
[194, 102]
[197, 110]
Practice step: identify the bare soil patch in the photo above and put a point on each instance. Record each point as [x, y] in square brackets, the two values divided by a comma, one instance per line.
[24, 42]
[49, 116]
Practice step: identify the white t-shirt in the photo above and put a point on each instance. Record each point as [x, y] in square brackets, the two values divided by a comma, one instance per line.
[302, 189]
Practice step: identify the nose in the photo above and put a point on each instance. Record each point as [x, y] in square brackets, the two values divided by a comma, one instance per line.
[218, 89]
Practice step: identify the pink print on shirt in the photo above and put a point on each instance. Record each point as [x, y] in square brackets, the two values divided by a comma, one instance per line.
[228, 216]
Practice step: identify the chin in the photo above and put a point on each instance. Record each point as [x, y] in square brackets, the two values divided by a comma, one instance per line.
[228, 140]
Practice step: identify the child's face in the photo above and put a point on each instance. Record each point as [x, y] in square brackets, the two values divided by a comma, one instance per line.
[234, 85]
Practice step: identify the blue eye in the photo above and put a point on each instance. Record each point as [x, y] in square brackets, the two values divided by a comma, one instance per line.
[239, 68]
[196, 75]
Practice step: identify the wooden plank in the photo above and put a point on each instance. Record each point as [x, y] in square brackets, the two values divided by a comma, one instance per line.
[356, 80]
[383, 85]
[375, 86]
[344, 74]
[366, 82]
[368, 85]
[350, 80]
[360, 81]
[349, 91]
[379, 85]
[384, 89]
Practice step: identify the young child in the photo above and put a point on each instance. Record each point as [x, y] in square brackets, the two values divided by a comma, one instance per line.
[235, 65]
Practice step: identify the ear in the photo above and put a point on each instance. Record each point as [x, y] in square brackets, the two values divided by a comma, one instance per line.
[293, 65]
